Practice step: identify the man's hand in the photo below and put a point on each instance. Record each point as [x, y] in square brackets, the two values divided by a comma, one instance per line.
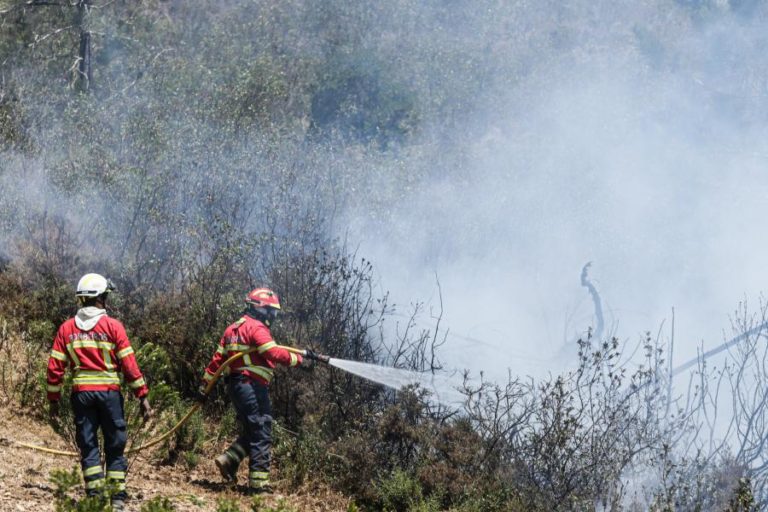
[314, 356]
[146, 409]
[53, 411]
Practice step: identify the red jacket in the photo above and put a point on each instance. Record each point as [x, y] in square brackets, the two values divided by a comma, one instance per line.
[97, 357]
[246, 334]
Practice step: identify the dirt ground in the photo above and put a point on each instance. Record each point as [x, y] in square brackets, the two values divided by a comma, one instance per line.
[25, 484]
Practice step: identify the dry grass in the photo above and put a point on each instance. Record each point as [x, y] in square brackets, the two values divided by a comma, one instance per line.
[24, 473]
[24, 477]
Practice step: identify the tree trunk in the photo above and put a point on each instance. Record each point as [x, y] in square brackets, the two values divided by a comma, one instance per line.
[84, 70]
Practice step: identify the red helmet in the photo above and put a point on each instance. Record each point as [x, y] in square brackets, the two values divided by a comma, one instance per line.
[263, 298]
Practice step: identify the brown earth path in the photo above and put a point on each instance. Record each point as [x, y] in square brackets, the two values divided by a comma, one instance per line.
[25, 484]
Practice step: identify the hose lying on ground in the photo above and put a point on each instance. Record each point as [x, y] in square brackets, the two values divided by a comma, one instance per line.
[178, 425]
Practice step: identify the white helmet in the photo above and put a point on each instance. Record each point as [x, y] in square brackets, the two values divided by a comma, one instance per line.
[93, 285]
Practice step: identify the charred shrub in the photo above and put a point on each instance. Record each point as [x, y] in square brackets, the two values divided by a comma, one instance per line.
[454, 466]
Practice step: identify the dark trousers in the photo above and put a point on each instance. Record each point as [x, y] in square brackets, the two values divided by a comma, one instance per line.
[254, 412]
[94, 410]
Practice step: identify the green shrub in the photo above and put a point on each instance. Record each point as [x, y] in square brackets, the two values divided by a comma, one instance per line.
[154, 361]
[40, 334]
[228, 426]
[191, 459]
[302, 457]
[187, 442]
[227, 505]
[31, 375]
[743, 499]
[490, 501]
[65, 482]
[158, 504]
[257, 505]
[402, 492]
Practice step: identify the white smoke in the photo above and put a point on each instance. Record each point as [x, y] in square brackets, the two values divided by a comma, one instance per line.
[639, 146]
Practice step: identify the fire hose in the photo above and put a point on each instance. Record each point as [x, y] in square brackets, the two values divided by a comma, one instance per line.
[192, 410]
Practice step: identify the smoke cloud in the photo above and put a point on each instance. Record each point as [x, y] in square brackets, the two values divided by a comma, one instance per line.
[634, 137]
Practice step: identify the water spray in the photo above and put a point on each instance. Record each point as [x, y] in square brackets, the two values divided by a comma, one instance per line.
[441, 389]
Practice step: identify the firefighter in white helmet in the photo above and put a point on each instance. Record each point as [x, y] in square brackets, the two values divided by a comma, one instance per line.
[97, 350]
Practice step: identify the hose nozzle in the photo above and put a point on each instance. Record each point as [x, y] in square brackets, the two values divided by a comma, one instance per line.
[311, 354]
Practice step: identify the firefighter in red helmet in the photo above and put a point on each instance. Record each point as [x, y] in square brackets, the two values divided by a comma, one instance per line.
[248, 386]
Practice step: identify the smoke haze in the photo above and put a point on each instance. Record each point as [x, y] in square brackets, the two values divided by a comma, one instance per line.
[516, 142]
[638, 144]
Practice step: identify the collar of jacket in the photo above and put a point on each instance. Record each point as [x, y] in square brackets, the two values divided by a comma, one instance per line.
[87, 318]
[261, 320]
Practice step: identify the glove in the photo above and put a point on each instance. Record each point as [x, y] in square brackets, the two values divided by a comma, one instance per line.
[307, 362]
[146, 409]
[314, 356]
[53, 411]
[201, 396]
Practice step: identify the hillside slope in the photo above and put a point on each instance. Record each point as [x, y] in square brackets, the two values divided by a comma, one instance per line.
[25, 478]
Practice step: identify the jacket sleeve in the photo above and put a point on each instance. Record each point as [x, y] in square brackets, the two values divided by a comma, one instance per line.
[57, 365]
[127, 360]
[216, 360]
[270, 350]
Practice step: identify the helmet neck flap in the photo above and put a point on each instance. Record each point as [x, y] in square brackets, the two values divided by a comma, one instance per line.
[265, 315]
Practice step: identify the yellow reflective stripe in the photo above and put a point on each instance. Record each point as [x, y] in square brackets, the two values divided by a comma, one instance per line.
[92, 380]
[93, 470]
[233, 347]
[220, 349]
[61, 356]
[125, 353]
[268, 345]
[73, 355]
[116, 475]
[105, 375]
[266, 373]
[106, 353]
[207, 377]
[95, 377]
[259, 475]
[93, 344]
[95, 484]
[53, 389]
[294, 359]
[137, 383]
[96, 373]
